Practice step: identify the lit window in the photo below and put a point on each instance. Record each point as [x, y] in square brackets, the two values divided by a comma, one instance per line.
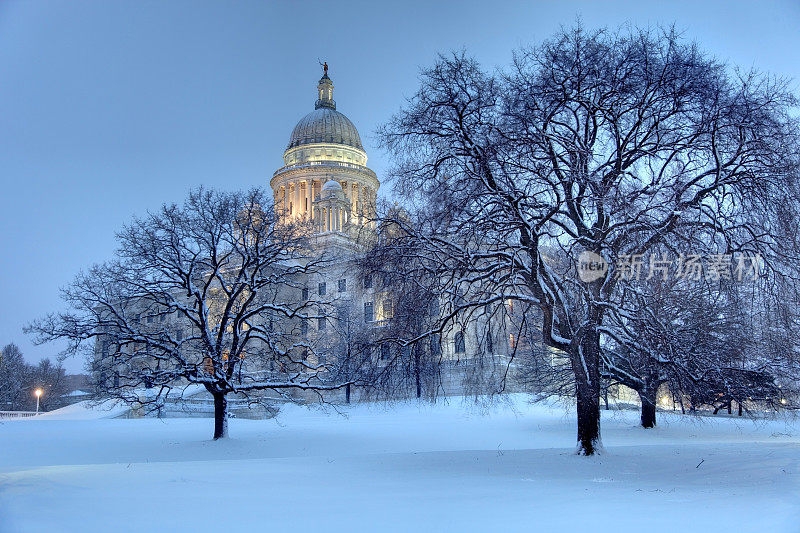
[388, 309]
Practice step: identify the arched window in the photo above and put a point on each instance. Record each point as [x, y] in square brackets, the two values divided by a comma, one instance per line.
[459, 342]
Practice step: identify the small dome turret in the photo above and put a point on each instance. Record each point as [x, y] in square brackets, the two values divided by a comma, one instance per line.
[331, 189]
[331, 185]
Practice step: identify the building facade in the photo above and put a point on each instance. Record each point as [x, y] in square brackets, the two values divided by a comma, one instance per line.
[325, 180]
[325, 184]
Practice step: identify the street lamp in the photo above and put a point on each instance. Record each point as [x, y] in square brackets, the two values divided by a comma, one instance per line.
[38, 393]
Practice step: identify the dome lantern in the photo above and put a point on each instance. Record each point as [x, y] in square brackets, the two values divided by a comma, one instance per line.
[325, 91]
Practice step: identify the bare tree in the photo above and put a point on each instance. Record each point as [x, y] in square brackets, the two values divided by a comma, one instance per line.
[206, 293]
[671, 331]
[605, 143]
[758, 365]
[433, 344]
[52, 380]
[406, 303]
[350, 345]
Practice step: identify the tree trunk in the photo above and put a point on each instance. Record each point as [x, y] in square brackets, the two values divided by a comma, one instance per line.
[588, 395]
[648, 398]
[417, 379]
[588, 420]
[220, 415]
[347, 361]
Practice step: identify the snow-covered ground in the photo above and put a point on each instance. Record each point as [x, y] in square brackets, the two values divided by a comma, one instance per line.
[404, 468]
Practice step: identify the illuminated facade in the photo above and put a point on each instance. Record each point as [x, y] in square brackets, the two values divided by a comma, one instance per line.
[325, 178]
[325, 181]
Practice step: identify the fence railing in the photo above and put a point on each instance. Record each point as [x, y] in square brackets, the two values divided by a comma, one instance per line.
[17, 414]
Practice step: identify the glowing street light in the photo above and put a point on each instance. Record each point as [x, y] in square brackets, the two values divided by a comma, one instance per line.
[38, 393]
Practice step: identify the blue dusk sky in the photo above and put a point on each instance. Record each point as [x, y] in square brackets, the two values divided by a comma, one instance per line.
[111, 108]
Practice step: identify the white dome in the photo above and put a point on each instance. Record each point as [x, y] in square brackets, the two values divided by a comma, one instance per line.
[325, 125]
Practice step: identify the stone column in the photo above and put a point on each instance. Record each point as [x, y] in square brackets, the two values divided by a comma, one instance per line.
[297, 208]
[303, 201]
[310, 196]
[358, 203]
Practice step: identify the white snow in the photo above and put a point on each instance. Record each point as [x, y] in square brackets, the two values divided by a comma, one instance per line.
[87, 410]
[403, 468]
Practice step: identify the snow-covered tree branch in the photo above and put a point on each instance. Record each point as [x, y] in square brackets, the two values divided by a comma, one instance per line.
[610, 143]
[205, 293]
